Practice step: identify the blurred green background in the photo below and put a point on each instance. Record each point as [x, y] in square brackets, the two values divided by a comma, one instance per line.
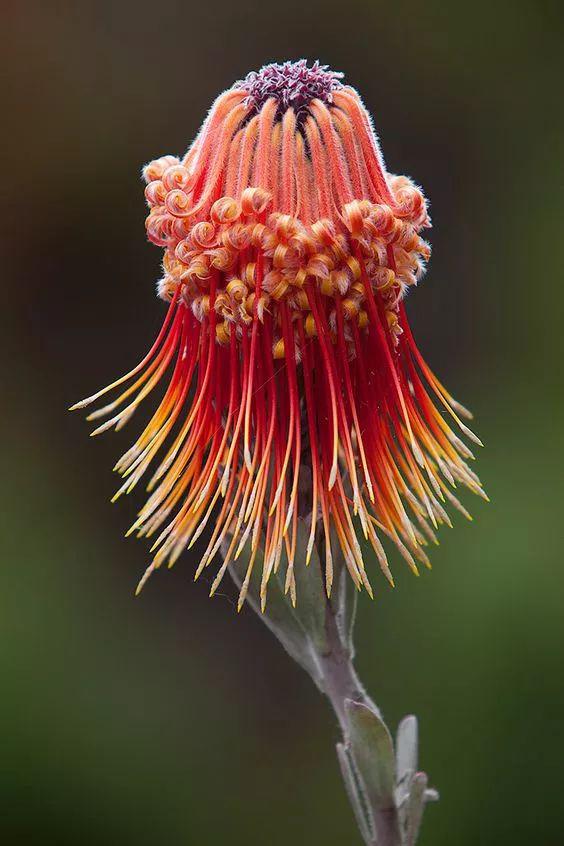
[171, 718]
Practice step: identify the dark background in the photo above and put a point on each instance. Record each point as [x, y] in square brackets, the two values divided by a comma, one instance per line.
[171, 719]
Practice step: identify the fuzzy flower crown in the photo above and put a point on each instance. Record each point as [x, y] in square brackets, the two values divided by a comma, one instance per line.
[293, 85]
[296, 394]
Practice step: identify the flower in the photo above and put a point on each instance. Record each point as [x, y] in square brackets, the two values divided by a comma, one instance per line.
[296, 390]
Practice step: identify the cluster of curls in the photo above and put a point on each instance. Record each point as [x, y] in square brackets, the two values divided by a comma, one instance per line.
[296, 395]
[329, 254]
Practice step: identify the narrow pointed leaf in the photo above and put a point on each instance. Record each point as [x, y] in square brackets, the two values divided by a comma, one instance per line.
[406, 748]
[416, 805]
[344, 601]
[354, 793]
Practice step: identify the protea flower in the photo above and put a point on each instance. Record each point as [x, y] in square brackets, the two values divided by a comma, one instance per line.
[294, 388]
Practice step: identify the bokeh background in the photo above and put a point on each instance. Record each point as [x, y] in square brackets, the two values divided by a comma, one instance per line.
[171, 719]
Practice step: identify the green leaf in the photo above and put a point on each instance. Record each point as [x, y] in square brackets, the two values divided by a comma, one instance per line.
[416, 805]
[373, 754]
[354, 792]
[311, 605]
[406, 748]
[344, 601]
[412, 792]
[279, 617]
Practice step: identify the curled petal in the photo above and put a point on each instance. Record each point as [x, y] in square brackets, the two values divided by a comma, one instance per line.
[382, 218]
[351, 307]
[222, 258]
[237, 237]
[324, 232]
[199, 268]
[379, 251]
[353, 265]
[341, 280]
[319, 265]
[172, 266]
[384, 278]
[177, 176]
[410, 201]
[271, 280]
[166, 287]
[263, 238]
[155, 169]
[179, 228]
[223, 333]
[281, 257]
[248, 274]
[222, 301]
[237, 290]
[254, 201]
[155, 193]
[225, 210]
[424, 249]
[201, 307]
[158, 228]
[178, 203]
[284, 226]
[204, 234]
[354, 219]
[185, 252]
[302, 243]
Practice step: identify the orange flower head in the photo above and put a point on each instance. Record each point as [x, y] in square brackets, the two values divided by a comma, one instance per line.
[295, 394]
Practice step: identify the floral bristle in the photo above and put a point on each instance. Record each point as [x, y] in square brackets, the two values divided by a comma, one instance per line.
[288, 251]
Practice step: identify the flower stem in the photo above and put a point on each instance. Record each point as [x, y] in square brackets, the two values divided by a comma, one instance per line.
[341, 681]
[341, 684]
[386, 791]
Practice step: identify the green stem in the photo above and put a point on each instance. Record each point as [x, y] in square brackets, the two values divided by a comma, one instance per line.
[341, 683]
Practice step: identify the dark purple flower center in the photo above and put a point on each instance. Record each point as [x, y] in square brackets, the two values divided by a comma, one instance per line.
[293, 84]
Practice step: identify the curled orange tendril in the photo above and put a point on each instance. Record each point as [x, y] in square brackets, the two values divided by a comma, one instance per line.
[296, 388]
